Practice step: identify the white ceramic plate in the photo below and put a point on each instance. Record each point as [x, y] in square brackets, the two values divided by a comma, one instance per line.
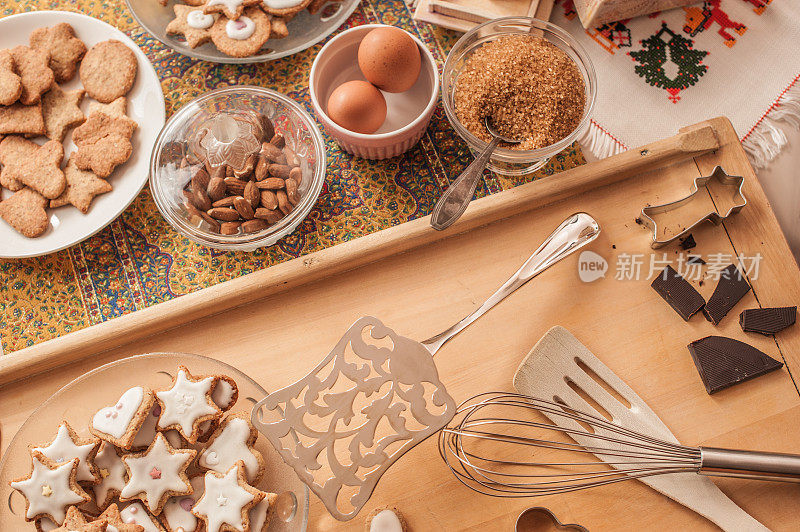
[68, 225]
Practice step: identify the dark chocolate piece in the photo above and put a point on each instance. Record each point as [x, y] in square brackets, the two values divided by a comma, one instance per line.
[723, 362]
[677, 291]
[767, 320]
[688, 242]
[695, 259]
[731, 287]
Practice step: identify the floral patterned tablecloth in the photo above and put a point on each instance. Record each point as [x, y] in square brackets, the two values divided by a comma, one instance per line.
[139, 260]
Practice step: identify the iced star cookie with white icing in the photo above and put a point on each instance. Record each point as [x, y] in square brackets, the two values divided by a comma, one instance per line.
[112, 475]
[192, 23]
[67, 445]
[281, 8]
[232, 442]
[77, 522]
[157, 474]
[227, 501]
[115, 521]
[50, 488]
[262, 513]
[232, 9]
[177, 513]
[242, 37]
[187, 404]
[120, 422]
[386, 519]
[225, 393]
[136, 514]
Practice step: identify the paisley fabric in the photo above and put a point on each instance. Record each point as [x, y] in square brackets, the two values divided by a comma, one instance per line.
[139, 260]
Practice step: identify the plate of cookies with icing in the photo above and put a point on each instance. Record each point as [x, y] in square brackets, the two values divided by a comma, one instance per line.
[80, 109]
[241, 31]
[152, 443]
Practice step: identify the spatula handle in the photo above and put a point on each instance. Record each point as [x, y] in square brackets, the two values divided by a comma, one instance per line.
[749, 464]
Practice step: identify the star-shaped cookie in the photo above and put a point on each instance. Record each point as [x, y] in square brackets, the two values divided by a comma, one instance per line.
[61, 111]
[227, 500]
[115, 109]
[67, 445]
[50, 488]
[232, 9]
[76, 522]
[187, 404]
[113, 518]
[192, 23]
[157, 474]
[82, 187]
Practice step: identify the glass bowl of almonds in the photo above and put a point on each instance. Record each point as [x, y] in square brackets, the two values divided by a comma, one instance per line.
[531, 79]
[238, 168]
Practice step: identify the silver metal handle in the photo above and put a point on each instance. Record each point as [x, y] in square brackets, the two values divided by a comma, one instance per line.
[573, 233]
[749, 464]
[456, 198]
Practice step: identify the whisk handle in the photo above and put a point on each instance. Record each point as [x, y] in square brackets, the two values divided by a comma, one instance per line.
[749, 464]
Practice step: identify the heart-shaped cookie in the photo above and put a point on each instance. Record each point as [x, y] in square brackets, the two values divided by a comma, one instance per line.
[120, 422]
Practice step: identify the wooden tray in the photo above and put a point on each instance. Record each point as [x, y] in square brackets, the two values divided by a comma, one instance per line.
[463, 15]
[419, 281]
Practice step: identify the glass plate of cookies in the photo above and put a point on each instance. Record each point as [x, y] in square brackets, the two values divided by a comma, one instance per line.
[79, 116]
[241, 31]
[162, 440]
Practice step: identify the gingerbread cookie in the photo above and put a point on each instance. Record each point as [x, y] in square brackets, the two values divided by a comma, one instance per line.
[115, 521]
[24, 211]
[82, 187]
[234, 442]
[75, 521]
[112, 475]
[22, 119]
[50, 488]
[157, 474]
[137, 514]
[232, 9]
[119, 423]
[34, 72]
[61, 111]
[242, 37]
[35, 166]
[192, 23]
[10, 82]
[177, 514]
[64, 48]
[108, 70]
[103, 143]
[187, 404]
[227, 500]
[115, 109]
[281, 8]
[67, 446]
[386, 519]
[262, 513]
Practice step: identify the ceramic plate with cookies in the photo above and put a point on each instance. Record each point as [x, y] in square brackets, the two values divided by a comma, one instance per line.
[80, 109]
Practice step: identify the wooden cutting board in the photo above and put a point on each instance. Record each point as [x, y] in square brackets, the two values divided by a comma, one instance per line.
[419, 282]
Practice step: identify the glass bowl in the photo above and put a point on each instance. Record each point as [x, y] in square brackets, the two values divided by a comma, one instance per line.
[305, 30]
[80, 399]
[505, 161]
[168, 176]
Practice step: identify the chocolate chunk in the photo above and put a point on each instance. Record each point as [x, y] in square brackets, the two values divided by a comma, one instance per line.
[688, 242]
[677, 291]
[723, 362]
[767, 320]
[731, 287]
[695, 259]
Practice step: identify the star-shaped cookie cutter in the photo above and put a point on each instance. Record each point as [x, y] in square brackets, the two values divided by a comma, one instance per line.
[699, 184]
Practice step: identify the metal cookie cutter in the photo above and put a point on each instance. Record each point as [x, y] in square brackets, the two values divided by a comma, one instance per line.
[541, 519]
[701, 183]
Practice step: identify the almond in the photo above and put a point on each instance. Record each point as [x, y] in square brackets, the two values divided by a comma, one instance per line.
[256, 224]
[228, 171]
[269, 199]
[243, 207]
[270, 216]
[225, 214]
[261, 168]
[201, 200]
[216, 188]
[266, 125]
[297, 174]
[248, 167]
[291, 156]
[283, 202]
[230, 228]
[291, 191]
[270, 152]
[200, 179]
[234, 186]
[227, 201]
[252, 194]
[219, 171]
[277, 140]
[213, 225]
[271, 183]
[279, 170]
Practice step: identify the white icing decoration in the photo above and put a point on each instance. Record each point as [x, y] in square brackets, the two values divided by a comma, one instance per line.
[240, 29]
[170, 463]
[198, 20]
[229, 447]
[57, 479]
[108, 460]
[228, 489]
[135, 514]
[185, 403]
[63, 449]
[47, 525]
[258, 515]
[231, 6]
[147, 433]
[176, 515]
[281, 4]
[385, 521]
[223, 393]
[115, 420]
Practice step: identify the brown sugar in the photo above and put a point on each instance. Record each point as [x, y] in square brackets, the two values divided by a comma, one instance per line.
[530, 89]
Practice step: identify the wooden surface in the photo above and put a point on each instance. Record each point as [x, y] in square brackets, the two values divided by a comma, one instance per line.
[463, 15]
[278, 338]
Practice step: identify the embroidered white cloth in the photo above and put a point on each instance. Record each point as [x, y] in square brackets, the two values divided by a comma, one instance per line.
[658, 73]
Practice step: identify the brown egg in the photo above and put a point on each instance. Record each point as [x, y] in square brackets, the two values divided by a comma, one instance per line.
[389, 59]
[357, 106]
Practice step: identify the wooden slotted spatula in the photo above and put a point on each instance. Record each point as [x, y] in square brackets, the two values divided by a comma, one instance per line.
[559, 359]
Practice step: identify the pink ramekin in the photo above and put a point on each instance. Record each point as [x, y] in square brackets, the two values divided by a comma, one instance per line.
[337, 62]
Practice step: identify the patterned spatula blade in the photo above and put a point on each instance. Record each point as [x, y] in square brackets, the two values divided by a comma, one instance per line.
[373, 398]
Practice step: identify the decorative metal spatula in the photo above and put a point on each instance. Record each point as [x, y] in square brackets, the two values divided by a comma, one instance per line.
[377, 394]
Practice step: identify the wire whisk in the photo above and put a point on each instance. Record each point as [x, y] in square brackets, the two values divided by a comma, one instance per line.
[513, 445]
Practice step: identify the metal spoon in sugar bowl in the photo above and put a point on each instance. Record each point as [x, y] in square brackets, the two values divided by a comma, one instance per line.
[455, 199]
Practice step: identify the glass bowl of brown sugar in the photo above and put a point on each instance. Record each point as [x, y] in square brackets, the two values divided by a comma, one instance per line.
[531, 79]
